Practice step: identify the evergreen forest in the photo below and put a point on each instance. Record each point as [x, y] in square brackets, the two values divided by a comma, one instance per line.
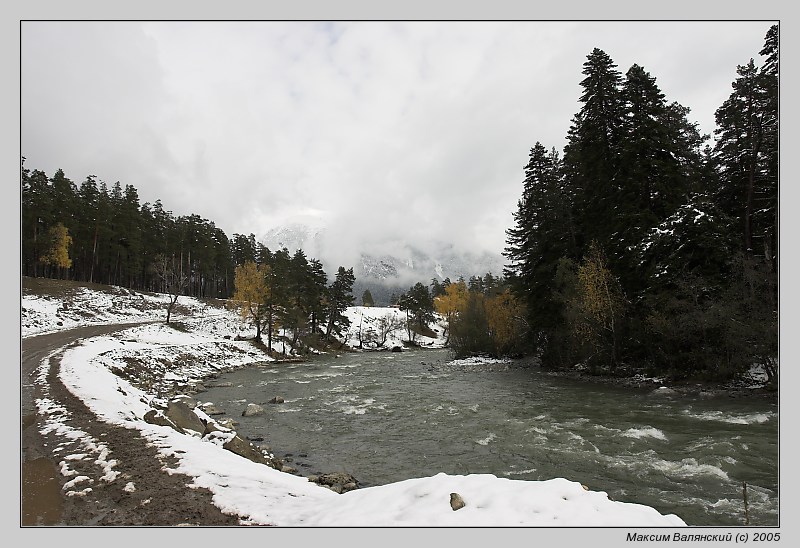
[641, 244]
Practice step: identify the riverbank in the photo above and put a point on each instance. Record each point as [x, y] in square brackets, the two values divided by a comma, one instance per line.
[752, 385]
[256, 494]
[92, 398]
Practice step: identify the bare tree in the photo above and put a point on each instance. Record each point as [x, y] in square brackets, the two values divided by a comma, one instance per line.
[388, 325]
[170, 271]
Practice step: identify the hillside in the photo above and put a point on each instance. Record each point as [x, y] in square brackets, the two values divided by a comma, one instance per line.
[55, 305]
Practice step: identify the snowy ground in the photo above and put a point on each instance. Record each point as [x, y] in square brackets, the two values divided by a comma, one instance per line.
[369, 323]
[119, 377]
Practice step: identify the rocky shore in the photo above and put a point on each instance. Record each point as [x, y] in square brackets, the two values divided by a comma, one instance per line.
[183, 413]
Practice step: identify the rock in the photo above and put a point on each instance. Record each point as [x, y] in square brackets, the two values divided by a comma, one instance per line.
[211, 409]
[155, 416]
[228, 423]
[397, 349]
[276, 399]
[338, 481]
[456, 502]
[245, 449]
[289, 469]
[183, 416]
[252, 410]
[256, 438]
[188, 400]
[664, 391]
[212, 426]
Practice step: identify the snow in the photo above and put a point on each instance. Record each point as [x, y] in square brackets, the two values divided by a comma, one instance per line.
[368, 320]
[261, 495]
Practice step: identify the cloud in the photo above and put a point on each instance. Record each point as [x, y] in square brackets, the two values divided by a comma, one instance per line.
[383, 131]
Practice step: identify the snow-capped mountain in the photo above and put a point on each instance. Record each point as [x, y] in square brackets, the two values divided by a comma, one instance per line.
[393, 269]
[295, 236]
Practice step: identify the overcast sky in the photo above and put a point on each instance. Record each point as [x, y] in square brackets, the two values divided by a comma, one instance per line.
[379, 131]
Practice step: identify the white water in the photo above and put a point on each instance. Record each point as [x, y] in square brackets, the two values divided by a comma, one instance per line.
[385, 420]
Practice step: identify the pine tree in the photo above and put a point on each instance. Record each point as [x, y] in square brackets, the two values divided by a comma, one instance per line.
[767, 210]
[316, 293]
[339, 298]
[279, 293]
[749, 188]
[366, 298]
[543, 233]
[659, 159]
[591, 157]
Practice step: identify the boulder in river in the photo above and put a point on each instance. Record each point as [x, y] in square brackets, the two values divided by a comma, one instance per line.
[252, 410]
[211, 409]
[276, 399]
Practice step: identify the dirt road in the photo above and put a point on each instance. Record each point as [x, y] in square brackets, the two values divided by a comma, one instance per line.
[143, 494]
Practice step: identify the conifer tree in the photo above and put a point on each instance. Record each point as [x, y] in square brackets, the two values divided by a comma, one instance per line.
[749, 189]
[366, 298]
[543, 232]
[591, 156]
[418, 304]
[339, 298]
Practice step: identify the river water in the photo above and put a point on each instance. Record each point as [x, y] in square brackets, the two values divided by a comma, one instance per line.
[385, 417]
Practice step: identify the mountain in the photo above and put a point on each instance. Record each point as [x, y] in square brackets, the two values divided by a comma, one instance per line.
[395, 268]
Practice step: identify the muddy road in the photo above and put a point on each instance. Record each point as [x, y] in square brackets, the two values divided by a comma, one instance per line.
[142, 494]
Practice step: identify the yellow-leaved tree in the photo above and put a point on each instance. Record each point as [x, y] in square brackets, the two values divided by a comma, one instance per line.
[505, 318]
[252, 292]
[601, 305]
[57, 253]
[449, 305]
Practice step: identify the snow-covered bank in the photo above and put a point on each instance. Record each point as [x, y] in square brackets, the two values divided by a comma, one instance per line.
[120, 377]
[376, 327]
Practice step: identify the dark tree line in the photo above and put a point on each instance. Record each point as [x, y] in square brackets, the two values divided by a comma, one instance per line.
[116, 240]
[92, 233]
[640, 244]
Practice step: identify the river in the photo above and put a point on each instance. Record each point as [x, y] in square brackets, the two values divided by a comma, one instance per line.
[385, 417]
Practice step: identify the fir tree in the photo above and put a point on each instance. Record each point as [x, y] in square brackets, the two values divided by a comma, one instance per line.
[591, 156]
[366, 298]
[339, 298]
